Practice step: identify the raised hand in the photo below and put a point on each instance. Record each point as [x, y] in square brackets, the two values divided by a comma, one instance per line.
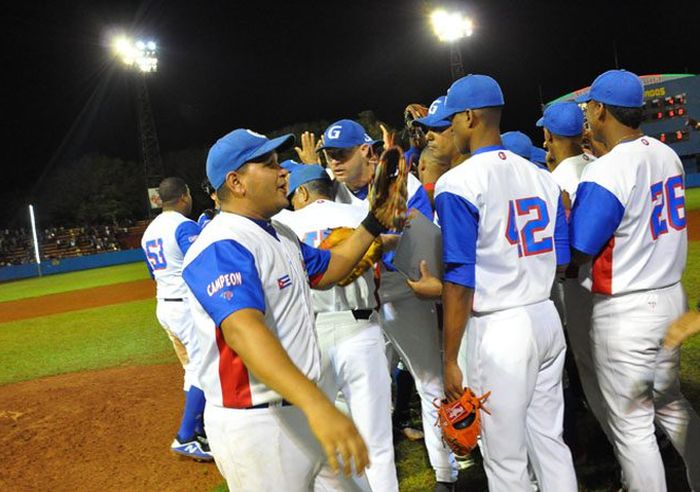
[307, 152]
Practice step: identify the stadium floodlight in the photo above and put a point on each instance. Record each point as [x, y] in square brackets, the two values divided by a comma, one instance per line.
[139, 55]
[451, 26]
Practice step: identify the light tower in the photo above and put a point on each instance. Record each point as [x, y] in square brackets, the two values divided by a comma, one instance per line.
[140, 57]
[451, 27]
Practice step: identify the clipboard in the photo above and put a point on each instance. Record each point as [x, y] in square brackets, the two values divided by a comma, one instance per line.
[421, 241]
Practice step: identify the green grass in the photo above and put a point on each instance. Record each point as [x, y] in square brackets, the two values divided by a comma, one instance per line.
[692, 199]
[123, 334]
[64, 282]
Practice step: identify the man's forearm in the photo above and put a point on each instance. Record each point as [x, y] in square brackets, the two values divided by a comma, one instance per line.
[346, 255]
[246, 333]
[457, 304]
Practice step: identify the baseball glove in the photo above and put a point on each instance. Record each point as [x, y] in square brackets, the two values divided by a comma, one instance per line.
[460, 421]
[387, 191]
[373, 254]
[413, 112]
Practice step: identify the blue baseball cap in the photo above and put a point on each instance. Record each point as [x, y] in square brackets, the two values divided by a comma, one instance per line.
[344, 134]
[303, 173]
[518, 143]
[290, 164]
[563, 118]
[231, 151]
[472, 92]
[436, 117]
[538, 155]
[617, 88]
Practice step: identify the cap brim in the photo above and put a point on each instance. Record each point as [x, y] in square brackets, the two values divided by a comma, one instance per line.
[280, 144]
[583, 98]
[540, 122]
[430, 122]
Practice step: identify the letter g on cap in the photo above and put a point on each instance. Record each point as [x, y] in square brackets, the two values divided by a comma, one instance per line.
[334, 132]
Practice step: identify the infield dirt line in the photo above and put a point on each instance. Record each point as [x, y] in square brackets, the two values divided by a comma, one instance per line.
[76, 300]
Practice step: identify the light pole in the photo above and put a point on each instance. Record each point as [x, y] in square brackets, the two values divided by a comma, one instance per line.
[451, 27]
[141, 58]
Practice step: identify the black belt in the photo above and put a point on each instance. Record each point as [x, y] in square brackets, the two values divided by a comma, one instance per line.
[362, 313]
[272, 404]
[173, 299]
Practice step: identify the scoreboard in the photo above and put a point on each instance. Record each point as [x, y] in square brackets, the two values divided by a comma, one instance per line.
[671, 113]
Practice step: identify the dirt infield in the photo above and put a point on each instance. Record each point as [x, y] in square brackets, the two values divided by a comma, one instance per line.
[102, 430]
[74, 300]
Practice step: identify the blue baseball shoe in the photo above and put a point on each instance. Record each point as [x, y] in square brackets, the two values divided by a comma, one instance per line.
[192, 449]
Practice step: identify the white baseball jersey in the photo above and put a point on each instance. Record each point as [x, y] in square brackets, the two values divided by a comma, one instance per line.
[165, 242]
[503, 227]
[630, 215]
[312, 224]
[240, 263]
[568, 173]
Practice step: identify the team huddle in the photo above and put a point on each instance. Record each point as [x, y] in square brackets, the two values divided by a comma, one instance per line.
[284, 333]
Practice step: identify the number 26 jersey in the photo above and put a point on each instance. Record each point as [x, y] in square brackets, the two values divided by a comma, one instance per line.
[503, 228]
[629, 214]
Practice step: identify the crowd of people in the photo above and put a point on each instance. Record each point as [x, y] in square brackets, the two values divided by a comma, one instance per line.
[567, 256]
[57, 243]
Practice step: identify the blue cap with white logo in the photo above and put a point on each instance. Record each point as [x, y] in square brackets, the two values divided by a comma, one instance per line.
[563, 118]
[303, 173]
[616, 88]
[231, 151]
[436, 117]
[344, 134]
[473, 92]
[518, 143]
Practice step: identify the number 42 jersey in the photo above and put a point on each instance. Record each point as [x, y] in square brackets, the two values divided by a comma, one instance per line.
[629, 214]
[503, 227]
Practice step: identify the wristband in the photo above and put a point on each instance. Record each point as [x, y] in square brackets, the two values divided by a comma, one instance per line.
[373, 225]
[429, 186]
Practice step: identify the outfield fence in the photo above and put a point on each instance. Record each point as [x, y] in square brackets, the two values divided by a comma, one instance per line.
[28, 270]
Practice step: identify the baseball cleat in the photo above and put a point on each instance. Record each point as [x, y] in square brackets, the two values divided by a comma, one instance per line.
[192, 449]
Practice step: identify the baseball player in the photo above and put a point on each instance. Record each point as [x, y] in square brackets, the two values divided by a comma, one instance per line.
[347, 324]
[629, 218]
[504, 234]
[165, 242]
[409, 323]
[440, 153]
[267, 421]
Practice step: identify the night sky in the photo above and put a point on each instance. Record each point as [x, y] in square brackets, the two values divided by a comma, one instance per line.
[264, 65]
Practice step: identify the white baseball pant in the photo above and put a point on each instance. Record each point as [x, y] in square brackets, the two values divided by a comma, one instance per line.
[266, 449]
[518, 355]
[354, 362]
[176, 320]
[639, 381]
[411, 326]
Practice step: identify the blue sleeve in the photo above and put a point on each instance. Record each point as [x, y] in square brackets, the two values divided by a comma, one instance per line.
[185, 234]
[459, 220]
[421, 202]
[203, 220]
[316, 261]
[596, 215]
[224, 279]
[561, 236]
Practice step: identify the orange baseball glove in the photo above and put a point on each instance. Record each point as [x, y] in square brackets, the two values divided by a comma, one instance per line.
[373, 254]
[460, 421]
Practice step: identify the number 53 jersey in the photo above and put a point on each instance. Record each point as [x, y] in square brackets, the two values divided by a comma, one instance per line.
[503, 227]
[629, 214]
[165, 242]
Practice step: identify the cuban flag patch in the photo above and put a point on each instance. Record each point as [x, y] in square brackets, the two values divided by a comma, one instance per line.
[284, 282]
